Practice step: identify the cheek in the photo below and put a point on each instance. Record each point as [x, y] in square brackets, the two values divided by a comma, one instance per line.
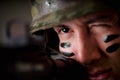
[115, 55]
[65, 44]
[65, 47]
[106, 38]
[113, 45]
[115, 61]
[113, 48]
[67, 52]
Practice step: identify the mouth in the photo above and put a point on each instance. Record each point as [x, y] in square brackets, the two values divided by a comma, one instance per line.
[100, 75]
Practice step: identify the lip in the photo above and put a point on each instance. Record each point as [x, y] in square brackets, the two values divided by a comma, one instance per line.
[100, 75]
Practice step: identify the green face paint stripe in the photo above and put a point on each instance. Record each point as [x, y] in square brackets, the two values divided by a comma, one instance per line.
[110, 37]
[65, 44]
[68, 54]
[113, 48]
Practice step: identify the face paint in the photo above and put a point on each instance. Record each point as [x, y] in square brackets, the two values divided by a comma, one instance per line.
[68, 54]
[113, 48]
[110, 37]
[65, 44]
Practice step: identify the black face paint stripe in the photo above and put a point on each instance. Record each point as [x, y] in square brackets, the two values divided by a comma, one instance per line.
[113, 48]
[65, 44]
[111, 37]
[68, 54]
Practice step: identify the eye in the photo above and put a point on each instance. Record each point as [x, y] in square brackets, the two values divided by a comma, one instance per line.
[62, 29]
[100, 25]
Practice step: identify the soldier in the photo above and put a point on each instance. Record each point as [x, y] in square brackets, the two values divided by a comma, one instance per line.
[87, 31]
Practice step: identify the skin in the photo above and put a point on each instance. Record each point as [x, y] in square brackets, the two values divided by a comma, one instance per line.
[86, 35]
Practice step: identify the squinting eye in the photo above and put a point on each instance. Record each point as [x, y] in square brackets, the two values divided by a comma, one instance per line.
[103, 25]
[63, 28]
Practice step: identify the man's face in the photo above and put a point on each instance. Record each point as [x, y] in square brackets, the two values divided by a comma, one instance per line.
[93, 41]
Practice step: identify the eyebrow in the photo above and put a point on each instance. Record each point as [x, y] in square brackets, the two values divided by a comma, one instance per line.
[101, 17]
[58, 26]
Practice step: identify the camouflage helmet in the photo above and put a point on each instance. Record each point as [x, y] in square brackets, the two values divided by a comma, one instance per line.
[48, 13]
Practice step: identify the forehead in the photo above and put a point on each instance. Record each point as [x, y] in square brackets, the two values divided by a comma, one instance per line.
[98, 15]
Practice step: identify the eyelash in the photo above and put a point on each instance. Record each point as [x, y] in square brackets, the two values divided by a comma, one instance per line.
[63, 29]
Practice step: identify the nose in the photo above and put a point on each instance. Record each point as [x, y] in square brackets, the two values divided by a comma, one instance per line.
[86, 50]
